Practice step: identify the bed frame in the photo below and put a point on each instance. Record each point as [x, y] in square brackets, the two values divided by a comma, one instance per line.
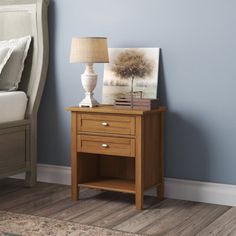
[18, 140]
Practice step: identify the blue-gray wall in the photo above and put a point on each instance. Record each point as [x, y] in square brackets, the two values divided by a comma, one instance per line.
[197, 77]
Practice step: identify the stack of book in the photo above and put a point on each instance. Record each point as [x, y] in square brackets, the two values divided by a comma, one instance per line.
[138, 103]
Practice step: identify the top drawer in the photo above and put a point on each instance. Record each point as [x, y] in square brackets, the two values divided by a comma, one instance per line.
[113, 124]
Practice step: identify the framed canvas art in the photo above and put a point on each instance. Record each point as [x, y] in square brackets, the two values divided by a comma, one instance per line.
[131, 69]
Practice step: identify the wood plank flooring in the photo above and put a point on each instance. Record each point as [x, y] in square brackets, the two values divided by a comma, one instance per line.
[117, 211]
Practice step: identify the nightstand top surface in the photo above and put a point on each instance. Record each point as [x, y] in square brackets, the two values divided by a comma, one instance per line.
[114, 110]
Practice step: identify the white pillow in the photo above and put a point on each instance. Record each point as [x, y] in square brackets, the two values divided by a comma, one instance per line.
[5, 54]
[12, 71]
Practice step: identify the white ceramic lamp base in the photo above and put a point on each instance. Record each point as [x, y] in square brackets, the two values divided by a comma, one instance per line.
[89, 101]
[89, 82]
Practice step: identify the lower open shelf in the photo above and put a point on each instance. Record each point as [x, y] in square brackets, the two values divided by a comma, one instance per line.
[112, 184]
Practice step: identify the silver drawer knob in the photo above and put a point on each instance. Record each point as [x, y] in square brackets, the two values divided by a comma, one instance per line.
[104, 124]
[104, 145]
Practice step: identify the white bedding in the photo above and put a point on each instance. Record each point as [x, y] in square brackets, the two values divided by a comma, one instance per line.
[12, 106]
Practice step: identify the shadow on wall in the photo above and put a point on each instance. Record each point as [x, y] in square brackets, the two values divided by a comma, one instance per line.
[161, 91]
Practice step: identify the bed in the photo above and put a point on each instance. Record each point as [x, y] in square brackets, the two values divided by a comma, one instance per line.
[18, 121]
[12, 106]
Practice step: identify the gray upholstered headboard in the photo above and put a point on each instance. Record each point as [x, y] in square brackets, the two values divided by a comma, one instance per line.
[28, 17]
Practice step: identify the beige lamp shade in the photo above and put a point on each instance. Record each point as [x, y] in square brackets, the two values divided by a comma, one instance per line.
[89, 50]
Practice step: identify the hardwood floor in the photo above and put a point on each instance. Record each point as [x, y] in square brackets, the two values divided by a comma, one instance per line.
[117, 210]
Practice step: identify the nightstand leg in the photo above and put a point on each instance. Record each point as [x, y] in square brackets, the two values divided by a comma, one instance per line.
[160, 188]
[75, 194]
[139, 163]
[74, 158]
[75, 191]
[160, 192]
[139, 200]
[74, 181]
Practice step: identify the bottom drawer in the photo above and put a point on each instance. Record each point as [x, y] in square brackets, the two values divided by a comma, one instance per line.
[106, 145]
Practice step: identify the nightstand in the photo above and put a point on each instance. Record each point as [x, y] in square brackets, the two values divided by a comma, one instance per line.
[117, 150]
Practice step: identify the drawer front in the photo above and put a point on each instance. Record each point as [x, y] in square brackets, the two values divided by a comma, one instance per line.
[106, 145]
[113, 124]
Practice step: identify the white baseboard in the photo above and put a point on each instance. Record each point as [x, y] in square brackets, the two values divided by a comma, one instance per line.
[51, 174]
[223, 194]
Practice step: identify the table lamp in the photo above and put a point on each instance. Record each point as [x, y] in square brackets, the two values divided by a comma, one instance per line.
[89, 50]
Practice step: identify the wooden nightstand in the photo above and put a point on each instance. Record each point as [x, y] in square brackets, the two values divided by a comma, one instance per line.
[117, 150]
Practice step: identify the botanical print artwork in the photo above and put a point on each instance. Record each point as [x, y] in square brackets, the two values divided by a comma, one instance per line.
[131, 65]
